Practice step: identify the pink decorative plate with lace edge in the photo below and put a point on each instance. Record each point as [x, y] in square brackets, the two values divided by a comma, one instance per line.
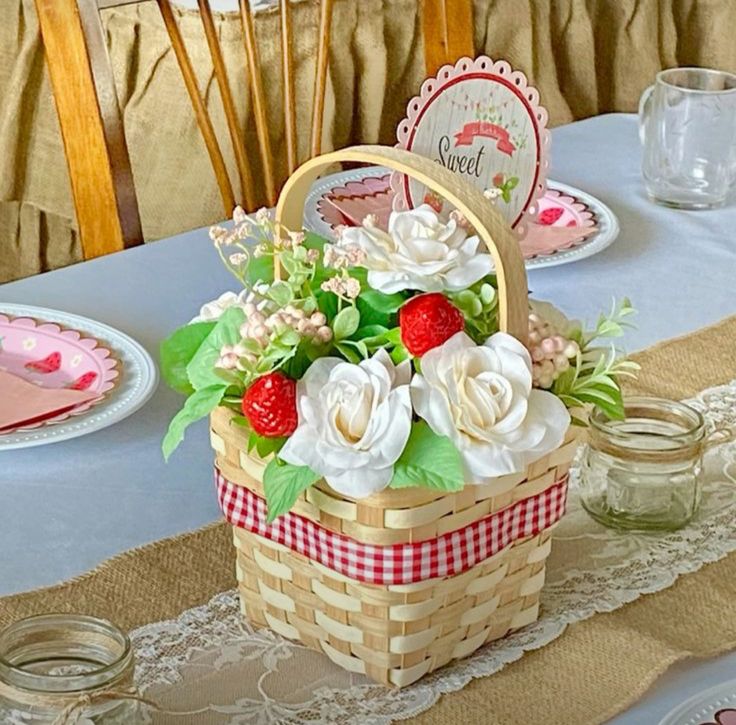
[54, 357]
[350, 203]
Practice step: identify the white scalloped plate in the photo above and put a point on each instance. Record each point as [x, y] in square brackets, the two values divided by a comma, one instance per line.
[606, 222]
[136, 384]
[716, 706]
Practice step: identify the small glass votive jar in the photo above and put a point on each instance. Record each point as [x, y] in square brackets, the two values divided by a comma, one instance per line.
[60, 667]
[643, 472]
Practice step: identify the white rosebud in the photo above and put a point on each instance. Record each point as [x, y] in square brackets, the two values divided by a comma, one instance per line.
[318, 319]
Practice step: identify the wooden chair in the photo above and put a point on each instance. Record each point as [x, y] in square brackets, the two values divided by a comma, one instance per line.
[91, 122]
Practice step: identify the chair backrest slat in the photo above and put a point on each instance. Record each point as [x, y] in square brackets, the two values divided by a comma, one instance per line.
[320, 80]
[83, 93]
[448, 32]
[199, 107]
[226, 96]
[287, 70]
[253, 70]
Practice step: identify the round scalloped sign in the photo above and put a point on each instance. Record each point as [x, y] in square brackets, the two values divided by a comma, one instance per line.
[480, 119]
[55, 357]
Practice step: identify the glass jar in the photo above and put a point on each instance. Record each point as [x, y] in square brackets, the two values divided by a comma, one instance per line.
[58, 667]
[643, 472]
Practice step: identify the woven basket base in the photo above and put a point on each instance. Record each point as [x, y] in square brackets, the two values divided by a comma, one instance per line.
[393, 634]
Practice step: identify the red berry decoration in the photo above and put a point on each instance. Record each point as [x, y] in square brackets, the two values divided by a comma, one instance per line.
[83, 382]
[550, 215]
[50, 364]
[427, 321]
[269, 404]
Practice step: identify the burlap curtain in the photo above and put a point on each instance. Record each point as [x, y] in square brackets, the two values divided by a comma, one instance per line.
[585, 56]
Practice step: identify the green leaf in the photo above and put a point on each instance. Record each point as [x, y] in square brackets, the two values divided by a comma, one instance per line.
[372, 336]
[176, 352]
[399, 354]
[347, 352]
[428, 460]
[359, 345]
[394, 336]
[314, 241]
[327, 303]
[266, 446]
[346, 322]
[201, 368]
[381, 302]
[377, 308]
[198, 404]
[282, 484]
[281, 293]
[260, 269]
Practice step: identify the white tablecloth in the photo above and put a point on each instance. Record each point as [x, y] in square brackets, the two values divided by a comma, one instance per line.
[66, 507]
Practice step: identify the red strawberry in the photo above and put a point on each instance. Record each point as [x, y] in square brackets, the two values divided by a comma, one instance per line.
[427, 321]
[499, 179]
[84, 381]
[550, 216]
[269, 404]
[50, 364]
[433, 200]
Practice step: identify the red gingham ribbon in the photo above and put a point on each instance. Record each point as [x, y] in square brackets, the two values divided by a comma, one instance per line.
[447, 555]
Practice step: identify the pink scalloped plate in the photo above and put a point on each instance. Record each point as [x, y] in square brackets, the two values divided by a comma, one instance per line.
[55, 357]
[563, 221]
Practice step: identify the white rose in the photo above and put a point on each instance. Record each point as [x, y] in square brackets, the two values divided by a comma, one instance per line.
[354, 421]
[481, 398]
[419, 252]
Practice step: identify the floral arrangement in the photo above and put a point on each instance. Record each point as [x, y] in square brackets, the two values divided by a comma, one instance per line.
[376, 361]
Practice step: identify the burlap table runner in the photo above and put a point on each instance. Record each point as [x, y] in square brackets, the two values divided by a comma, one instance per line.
[594, 670]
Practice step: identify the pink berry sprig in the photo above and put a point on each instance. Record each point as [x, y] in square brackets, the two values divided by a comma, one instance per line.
[551, 352]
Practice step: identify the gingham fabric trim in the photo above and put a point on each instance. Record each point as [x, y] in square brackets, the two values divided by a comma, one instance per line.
[447, 555]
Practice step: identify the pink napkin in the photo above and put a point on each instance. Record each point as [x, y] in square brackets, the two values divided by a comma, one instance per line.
[23, 403]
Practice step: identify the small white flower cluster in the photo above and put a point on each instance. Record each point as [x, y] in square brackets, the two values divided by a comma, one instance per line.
[261, 329]
[551, 352]
[343, 257]
[347, 287]
[234, 357]
[492, 194]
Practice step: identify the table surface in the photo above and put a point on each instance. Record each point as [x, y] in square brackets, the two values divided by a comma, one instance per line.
[66, 507]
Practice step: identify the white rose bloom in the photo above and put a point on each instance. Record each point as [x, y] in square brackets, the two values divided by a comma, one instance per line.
[419, 252]
[354, 421]
[481, 398]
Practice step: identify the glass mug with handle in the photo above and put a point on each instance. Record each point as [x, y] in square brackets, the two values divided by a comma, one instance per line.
[687, 125]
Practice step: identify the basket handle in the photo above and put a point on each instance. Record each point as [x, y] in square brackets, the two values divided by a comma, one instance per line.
[490, 226]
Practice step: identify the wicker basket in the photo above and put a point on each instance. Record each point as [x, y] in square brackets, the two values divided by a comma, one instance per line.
[489, 543]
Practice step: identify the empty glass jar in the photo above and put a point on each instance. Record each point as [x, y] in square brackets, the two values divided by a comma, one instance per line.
[644, 472]
[60, 667]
